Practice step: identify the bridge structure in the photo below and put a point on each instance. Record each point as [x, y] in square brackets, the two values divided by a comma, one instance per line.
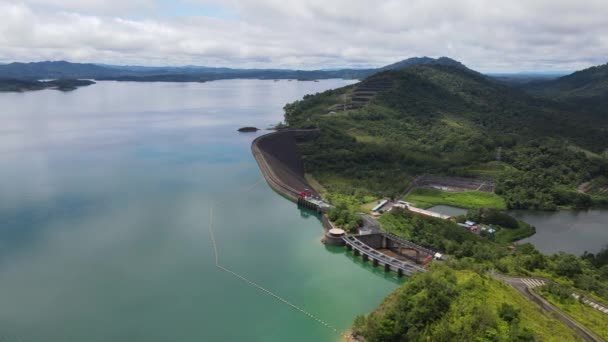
[370, 247]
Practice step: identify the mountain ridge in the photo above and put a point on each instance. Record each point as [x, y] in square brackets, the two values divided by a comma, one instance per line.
[192, 73]
[586, 89]
[444, 120]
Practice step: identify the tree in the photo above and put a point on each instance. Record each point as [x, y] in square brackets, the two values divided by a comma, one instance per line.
[508, 313]
[567, 265]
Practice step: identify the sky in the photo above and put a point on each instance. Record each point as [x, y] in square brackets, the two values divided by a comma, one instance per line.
[486, 35]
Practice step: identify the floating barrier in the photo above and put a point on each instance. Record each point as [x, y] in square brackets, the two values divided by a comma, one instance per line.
[256, 285]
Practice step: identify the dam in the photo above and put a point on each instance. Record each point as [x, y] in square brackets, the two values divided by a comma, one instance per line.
[281, 162]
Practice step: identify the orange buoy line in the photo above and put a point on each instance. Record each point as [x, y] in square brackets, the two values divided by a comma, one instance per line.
[256, 285]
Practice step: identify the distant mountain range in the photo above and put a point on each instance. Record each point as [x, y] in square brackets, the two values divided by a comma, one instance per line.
[586, 89]
[67, 70]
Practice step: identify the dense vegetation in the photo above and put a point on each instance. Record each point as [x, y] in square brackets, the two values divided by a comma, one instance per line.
[448, 120]
[458, 305]
[509, 228]
[452, 121]
[586, 89]
[464, 304]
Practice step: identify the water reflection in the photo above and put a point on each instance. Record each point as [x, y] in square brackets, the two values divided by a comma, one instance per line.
[568, 231]
[377, 271]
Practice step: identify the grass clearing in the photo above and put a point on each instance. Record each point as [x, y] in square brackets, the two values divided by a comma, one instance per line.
[367, 207]
[315, 184]
[426, 198]
[586, 152]
[365, 138]
[583, 313]
[493, 168]
[451, 122]
[494, 293]
[505, 235]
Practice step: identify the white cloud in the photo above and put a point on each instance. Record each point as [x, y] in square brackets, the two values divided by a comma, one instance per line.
[489, 36]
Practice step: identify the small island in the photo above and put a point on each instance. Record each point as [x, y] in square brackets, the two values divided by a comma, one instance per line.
[20, 85]
[248, 129]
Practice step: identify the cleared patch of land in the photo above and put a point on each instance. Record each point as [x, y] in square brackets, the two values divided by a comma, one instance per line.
[506, 235]
[491, 169]
[426, 198]
[583, 313]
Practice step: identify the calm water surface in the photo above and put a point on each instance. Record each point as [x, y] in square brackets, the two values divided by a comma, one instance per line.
[564, 231]
[448, 210]
[105, 197]
[568, 231]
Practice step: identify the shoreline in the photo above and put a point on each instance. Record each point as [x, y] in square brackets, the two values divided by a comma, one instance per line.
[281, 177]
[267, 170]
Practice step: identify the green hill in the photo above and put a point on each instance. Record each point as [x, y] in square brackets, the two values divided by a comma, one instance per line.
[459, 300]
[448, 305]
[586, 88]
[379, 133]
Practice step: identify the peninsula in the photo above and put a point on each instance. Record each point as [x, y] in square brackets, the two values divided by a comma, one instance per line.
[20, 85]
[421, 135]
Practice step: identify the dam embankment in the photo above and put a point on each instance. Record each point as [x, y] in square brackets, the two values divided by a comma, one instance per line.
[280, 161]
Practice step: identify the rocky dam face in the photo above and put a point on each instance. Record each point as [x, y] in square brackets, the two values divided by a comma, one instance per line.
[283, 159]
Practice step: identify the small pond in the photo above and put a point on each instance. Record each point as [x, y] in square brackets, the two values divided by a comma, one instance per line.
[448, 210]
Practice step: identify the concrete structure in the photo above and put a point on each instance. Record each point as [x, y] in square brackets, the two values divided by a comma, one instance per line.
[424, 212]
[391, 252]
[380, 205]
[279, 160]
[334, 237]
[313, 204]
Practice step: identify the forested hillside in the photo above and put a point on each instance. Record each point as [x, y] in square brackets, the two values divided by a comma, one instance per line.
[458, 300]
[448, 305]
[449, 120]
[586, 89]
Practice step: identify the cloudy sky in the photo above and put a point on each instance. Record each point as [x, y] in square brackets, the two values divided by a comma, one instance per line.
[486, 35]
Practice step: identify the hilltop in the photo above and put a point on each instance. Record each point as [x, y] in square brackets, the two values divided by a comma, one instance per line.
[443, 119]
[406, 63]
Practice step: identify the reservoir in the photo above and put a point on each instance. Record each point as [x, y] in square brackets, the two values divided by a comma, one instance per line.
[105, 204]
[563, 231]
[567, 231]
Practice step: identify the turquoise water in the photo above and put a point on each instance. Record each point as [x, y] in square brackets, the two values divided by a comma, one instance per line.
[104, 211]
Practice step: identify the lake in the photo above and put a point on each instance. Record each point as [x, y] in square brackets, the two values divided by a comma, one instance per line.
[563, 231]
[105, 204]
[568, 231]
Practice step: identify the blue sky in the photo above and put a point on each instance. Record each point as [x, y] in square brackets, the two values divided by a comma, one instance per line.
[507, 36]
